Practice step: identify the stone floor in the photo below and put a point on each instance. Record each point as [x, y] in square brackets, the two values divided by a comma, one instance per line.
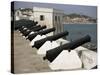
[26, 59]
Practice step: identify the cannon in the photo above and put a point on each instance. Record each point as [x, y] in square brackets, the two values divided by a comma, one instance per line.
[31, 37]
[39, 43]
[34, 30]
[28, 32]
[35, 23]
[22, 28]
[40, 35]
[53, 53]
[25, 33]
[39, 28]
[23, 22]
[35, 27]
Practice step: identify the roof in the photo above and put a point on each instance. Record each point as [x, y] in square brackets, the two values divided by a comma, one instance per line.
[44, 9]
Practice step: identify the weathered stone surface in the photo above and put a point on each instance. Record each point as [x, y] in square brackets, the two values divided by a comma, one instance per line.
[26, 59]
[66, 61]
[89, 59]
[47, 46]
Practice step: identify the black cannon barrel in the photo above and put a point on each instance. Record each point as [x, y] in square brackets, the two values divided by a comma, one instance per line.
[31, 26]
[35, 27]
[21, 27]
[31, 37]
[47, 31]
[39, 28]
[35, 23]
[39, 43]
[26, 33]
[23, 30]
[27, 23]
[53, 53]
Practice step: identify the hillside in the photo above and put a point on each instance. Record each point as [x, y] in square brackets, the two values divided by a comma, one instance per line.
[77, 18]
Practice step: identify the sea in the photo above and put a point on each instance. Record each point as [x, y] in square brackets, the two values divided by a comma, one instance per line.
[79, 30]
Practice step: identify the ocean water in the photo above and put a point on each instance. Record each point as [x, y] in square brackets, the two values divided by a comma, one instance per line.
[79, 30]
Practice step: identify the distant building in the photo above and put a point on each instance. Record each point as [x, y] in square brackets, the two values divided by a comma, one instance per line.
[24, 13]
[50, 17]
[45, 16]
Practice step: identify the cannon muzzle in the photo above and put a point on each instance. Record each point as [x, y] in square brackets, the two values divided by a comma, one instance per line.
[39, 28]
[35, 23]
[34, 27]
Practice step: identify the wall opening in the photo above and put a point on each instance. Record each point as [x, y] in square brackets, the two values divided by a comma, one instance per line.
[55, 18]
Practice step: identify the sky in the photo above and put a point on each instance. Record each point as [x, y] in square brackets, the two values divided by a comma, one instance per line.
[68, 9]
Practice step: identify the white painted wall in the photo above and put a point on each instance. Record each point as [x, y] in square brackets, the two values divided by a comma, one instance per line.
[18, 15]
[58, 23]
[49, 17]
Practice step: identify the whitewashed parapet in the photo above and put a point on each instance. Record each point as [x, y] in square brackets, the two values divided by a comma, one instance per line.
[87, 56]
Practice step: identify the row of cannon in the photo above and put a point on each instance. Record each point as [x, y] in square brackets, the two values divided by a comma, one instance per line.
[48, 46]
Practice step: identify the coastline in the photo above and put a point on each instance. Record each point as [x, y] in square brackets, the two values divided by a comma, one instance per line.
[79, 23]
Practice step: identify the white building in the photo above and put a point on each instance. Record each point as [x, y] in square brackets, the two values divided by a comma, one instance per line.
[24, 13]
[45, 16]
[49, 17]
[17, 14]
